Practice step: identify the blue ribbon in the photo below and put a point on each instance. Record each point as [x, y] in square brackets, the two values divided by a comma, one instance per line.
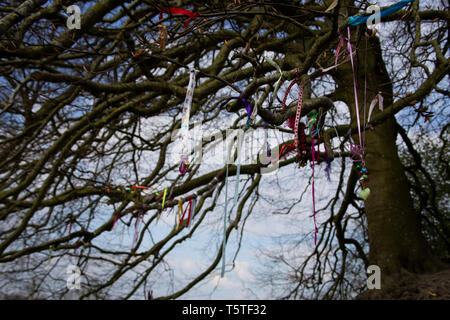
[357, 20]
[225, 224]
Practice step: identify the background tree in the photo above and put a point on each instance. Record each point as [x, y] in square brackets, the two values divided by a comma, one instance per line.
[86, 113]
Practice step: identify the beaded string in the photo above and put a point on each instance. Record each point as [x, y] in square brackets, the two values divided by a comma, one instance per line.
[298, 115]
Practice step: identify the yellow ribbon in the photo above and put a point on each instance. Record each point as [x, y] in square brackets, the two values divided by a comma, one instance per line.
[164, 197]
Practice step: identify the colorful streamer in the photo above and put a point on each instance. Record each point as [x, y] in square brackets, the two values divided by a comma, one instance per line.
[224, 244]
[357, 20]
[298, 116]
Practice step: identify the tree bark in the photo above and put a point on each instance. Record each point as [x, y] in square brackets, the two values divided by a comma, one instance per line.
[395, 240]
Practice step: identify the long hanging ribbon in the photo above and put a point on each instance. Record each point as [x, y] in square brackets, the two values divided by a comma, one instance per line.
[341, 44]
[137, 224]
[225, 223]
[357, 20]
[185, 122]
[312, 118]
[280, 79]
[180, 11]
[238, 167]
[313, 151]
[349, 48]
[378, 98]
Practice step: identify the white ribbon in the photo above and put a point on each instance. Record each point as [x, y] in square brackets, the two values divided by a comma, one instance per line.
[280, 79]
[378, 98]
[185, 138]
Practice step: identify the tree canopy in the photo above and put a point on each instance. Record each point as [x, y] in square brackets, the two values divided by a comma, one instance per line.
[90, 162]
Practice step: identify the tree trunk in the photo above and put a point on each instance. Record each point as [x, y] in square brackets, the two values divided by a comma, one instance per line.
[395, 239]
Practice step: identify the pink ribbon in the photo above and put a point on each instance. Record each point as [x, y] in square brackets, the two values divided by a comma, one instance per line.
[313, 151]
[358, 151]
[378, 98]
[115, 219]
[349, 48]
[338, 49]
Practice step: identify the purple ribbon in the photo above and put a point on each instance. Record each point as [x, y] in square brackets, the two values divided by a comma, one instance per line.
[357, 151]
[247, 105]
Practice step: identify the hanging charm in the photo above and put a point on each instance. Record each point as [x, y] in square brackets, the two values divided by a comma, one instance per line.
[363, 179]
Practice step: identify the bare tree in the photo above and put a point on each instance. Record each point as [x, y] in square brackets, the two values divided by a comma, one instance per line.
[88, 114]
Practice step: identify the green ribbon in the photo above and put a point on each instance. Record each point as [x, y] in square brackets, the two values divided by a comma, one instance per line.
[312, 117]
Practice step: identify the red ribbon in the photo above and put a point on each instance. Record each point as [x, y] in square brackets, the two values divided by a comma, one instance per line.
[69, 223]
[76, 246]
[286, 149]
[115, 219]
[189, 214]
[291, 121]
[180, 11]
[139, 187]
